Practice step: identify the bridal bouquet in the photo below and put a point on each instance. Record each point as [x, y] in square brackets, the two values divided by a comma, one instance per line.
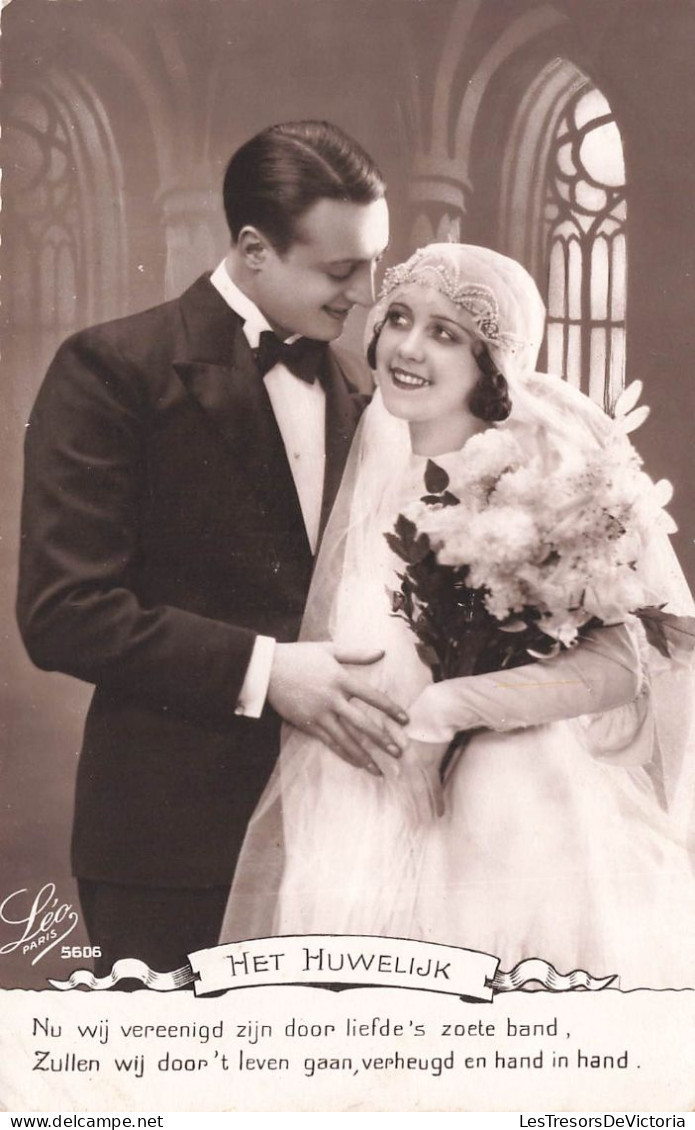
[512, 555]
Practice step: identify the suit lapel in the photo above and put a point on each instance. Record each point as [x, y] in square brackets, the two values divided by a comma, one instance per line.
[216, 366]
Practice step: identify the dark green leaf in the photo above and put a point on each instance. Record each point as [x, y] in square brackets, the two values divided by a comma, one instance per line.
[436, 478]
[396, 546]
[449, 499]
[405, 529]
[420, 549]
[428, 655]
[397, 601]
[655, 633]
[664, 629]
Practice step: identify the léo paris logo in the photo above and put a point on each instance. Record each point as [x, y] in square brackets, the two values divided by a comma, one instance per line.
[44, 922]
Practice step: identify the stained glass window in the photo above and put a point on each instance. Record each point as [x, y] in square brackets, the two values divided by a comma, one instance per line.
[585, 217]
[64, 243]
[45, 230]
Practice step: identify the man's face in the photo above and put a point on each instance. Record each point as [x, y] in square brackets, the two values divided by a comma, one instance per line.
[311, 289]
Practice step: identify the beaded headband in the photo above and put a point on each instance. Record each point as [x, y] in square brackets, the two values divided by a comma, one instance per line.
[476, 299]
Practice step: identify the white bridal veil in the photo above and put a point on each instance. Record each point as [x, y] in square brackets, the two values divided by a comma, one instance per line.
[348, 604]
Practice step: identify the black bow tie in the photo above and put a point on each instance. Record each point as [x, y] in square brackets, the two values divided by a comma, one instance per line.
[304, 357]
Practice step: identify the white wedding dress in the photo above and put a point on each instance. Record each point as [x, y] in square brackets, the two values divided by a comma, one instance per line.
[554, 843]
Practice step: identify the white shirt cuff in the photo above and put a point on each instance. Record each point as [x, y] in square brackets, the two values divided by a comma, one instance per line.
[255, 686]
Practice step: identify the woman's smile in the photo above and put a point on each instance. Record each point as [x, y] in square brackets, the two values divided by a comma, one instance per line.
[407, 379]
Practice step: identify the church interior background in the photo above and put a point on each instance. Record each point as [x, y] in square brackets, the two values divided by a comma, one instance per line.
[559, 132]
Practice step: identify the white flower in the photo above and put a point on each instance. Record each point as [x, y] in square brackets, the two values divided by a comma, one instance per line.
[482, 460]
[560, 532]
[565, 629]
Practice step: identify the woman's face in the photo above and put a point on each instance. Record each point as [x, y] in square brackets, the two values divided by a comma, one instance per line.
[426, 368]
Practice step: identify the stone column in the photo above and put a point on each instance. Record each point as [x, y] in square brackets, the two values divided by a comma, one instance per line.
[438, 193]
[192, 223]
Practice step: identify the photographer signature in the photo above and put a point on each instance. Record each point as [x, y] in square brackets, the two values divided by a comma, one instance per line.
[41, 921]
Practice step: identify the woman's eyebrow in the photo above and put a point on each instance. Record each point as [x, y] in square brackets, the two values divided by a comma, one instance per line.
[451, 321]
[433, 317]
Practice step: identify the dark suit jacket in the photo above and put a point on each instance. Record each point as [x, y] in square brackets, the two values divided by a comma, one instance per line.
[161, 532]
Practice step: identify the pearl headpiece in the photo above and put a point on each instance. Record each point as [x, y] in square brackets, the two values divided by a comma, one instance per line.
[477, 299]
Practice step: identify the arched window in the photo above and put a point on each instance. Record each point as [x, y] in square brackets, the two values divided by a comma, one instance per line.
[564, 214]
[64, 247]
[586, 213]
[44, 236]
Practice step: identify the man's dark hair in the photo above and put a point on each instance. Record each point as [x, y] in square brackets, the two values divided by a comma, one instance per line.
[281, 172]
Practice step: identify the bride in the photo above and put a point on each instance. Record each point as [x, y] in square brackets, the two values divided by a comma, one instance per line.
[550, 837]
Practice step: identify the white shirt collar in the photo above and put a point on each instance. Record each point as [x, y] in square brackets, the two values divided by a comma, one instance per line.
[254, 321]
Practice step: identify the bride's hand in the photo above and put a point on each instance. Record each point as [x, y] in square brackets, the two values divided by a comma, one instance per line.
[423, 760]
[440, 711]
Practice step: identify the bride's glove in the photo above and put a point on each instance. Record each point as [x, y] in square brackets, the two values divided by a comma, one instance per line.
[602, 672]
[312, 690]
[421, 761]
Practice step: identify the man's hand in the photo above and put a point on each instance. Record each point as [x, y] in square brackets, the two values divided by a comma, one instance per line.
[311, 689]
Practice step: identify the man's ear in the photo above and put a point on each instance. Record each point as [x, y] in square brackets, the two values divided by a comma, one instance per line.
[253, 248]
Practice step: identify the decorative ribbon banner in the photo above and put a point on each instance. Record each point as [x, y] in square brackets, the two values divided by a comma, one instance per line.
[345, 960]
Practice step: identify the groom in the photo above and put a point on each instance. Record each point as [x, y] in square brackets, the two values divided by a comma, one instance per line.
[180, 466]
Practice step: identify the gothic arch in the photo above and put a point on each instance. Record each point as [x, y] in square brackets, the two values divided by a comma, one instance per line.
[64, 230]
[534, 23]
[563, 213]
[157, 68]
[521, 221]
[441, 184]
[155, 78]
